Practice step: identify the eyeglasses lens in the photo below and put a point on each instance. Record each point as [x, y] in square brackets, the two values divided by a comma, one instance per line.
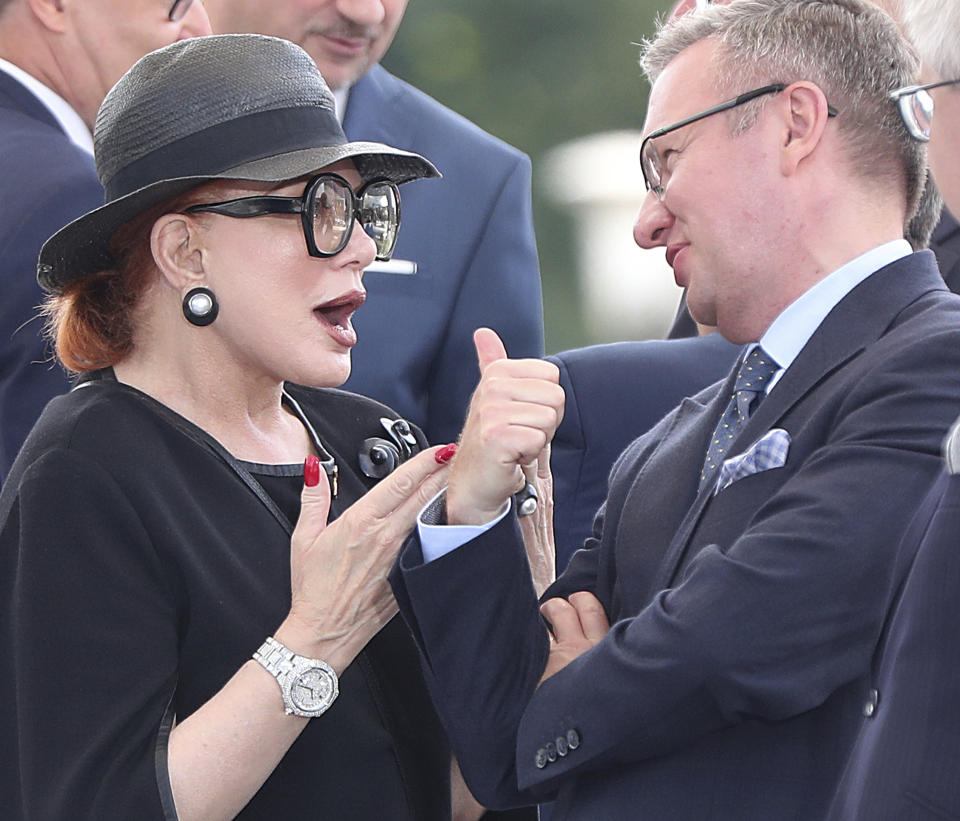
[378, 212]
[918, 113]
[380, 216]
[650, 163]
[332, 203]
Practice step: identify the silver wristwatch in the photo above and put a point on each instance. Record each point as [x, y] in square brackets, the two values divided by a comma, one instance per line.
[308, 686]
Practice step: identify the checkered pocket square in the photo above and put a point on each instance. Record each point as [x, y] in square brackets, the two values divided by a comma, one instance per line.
[770, 451]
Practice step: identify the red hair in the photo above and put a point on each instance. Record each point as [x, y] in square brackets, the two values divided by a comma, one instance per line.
[91, 322]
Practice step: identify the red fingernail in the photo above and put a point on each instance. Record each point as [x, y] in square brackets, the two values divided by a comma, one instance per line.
[445, 454]
[311, 471]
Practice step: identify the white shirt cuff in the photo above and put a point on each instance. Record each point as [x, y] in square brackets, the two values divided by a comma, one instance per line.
[437, 539]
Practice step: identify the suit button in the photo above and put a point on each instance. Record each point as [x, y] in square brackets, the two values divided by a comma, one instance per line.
[573, 739]
[541, 759]
[551, 750]
[873, 699]
[562, 747]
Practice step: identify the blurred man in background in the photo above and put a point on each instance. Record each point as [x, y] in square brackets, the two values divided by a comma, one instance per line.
[906, 760]
[58, 59]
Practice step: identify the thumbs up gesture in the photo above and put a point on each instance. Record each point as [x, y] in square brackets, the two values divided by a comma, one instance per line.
[513, 415]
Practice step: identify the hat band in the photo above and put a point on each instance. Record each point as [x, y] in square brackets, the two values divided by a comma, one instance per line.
[229, 144]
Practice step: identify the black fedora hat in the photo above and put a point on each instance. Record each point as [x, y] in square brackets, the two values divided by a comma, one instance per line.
[231, 106]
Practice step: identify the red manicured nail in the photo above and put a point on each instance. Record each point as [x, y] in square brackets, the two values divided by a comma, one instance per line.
[445, 454]
[311, 471]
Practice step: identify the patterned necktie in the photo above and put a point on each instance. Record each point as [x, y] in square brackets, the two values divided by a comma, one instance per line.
[752, 379]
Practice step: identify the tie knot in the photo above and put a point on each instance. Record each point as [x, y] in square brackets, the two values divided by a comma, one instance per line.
[755, 372]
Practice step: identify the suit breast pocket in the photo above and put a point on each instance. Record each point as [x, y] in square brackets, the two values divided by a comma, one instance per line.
[729, 514]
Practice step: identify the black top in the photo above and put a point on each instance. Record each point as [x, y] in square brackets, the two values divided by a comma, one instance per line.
[138, 572]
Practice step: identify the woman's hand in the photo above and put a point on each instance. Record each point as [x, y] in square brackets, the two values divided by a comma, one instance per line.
[338, 572]
[513, 415]
[537, 528]
[220, 755]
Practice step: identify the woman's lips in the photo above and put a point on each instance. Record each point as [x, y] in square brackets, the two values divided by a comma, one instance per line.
[336, 314]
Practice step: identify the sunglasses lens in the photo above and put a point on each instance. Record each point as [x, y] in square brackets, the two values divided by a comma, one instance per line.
[332, 203]
[380, 215]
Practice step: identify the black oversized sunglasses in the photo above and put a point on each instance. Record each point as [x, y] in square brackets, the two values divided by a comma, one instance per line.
[328, 209]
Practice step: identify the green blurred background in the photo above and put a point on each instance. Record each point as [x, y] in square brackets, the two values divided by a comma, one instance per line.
[536, 73]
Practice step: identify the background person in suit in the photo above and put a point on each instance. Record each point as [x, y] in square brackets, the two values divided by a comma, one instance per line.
[469, 236]
[906, 759]
[746, 598]
[57, 61]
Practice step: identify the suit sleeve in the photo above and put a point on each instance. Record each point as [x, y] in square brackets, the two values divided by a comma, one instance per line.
[30, 376]
[500, 290]
[92, 628]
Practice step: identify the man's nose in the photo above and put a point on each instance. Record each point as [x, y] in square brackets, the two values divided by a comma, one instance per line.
[195, 22]
[653, 223]
[362, 12]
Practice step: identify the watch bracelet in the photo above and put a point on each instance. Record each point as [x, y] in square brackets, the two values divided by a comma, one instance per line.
[279, 660]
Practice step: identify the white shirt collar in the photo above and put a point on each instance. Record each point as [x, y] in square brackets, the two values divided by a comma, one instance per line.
[75, 128]
[340, 97]
[792, 329]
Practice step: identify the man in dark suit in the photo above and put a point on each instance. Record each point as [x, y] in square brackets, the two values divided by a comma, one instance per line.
[466, 256]
[56, 65]
[614, 393]
[906, 760]
[747, 542]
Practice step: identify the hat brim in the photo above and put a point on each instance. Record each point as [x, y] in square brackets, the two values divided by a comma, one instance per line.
[82, 247]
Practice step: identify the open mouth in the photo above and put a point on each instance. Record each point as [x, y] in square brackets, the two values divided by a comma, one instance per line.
[337, 313]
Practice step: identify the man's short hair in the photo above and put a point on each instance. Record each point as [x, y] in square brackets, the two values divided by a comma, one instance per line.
[934, 28]
[920, 228]
[849, 48]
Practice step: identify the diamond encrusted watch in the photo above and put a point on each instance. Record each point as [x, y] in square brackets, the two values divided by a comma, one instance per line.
[308, 686]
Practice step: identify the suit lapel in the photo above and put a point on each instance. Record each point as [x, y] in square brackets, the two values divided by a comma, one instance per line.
[858, 320]
[375, 110]
[15, 95]
[675, 461]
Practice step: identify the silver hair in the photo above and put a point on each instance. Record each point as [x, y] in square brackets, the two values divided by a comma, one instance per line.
[934, 28]
[849, 48]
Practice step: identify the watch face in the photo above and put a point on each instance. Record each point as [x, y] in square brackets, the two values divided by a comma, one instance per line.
[312, 690]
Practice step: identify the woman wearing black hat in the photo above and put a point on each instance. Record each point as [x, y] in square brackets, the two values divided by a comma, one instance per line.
[158, 665]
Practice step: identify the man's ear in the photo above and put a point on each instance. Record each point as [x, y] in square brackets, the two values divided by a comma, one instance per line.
[805, 114]
[175, 242]
[51, 13]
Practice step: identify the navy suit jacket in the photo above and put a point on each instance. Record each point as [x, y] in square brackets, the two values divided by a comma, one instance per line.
[945, 243]
[45, 182]
[732, 682]
[471, 236]
[906, 762]
[615, 393]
